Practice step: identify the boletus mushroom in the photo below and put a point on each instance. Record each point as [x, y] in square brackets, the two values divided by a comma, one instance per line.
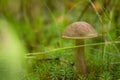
[80, 31]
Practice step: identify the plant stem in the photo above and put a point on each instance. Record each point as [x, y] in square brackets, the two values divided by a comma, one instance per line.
[71, 47]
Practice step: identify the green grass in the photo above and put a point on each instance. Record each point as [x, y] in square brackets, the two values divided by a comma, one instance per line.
[62, 69]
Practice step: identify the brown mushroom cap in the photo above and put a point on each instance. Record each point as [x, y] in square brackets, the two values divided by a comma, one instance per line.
[79, 30]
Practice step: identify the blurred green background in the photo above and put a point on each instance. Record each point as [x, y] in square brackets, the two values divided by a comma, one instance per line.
[29, 27]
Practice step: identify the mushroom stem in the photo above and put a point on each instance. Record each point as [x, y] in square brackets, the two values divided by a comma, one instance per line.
[80, 64]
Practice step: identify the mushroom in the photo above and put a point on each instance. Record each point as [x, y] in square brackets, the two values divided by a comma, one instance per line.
[80, 31]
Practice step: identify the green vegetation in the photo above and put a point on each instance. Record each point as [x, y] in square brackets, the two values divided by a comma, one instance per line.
[35, 27]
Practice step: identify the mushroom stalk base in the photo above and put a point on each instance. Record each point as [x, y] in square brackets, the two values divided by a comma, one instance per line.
[80, 64]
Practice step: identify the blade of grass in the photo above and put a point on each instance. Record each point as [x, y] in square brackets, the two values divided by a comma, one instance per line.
[108, 33]
[99, 16]
[71, 47]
